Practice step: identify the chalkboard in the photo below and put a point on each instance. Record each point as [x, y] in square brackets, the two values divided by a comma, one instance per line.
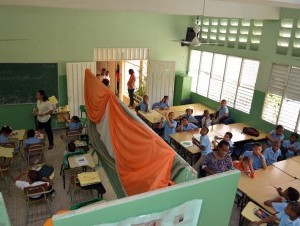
[19, 82]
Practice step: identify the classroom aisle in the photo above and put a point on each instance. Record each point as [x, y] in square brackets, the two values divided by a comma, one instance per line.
[15, 203]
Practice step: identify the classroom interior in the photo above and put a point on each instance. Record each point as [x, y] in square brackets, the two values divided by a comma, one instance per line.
[70, 35]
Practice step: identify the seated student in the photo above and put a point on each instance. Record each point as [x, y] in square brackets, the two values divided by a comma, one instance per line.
[272, 153]
[258, 159]
[72, 149]
[276, 134]
[163, 104]
[189, 116]
[222, 113]
[169, 126]
[217, 161]
[4, 134]
[291, 147]
[206, 120]
[228, 136]
[72, 124]
[290, 216]
[143, 105]
[31, 139]
[185, 125]
[32, 180]
[279, 203]
[244, 165]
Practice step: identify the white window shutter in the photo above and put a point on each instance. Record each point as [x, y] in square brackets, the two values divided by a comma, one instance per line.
[194, 68]
[293, 85]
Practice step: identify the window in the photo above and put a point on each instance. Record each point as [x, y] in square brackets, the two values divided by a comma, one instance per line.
[282, 102]
[219, 76]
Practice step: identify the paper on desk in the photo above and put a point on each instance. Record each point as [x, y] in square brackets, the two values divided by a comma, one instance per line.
[81, 161]
[187, 143]
[88, 178]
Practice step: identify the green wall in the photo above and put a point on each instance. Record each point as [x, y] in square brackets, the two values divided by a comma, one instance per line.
[70, 35]
[266, 54]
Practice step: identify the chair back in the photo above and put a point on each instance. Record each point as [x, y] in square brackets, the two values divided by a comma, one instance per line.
[35, 150]
[82, 110]
[73, 135]
[42, 189]
[5, 164]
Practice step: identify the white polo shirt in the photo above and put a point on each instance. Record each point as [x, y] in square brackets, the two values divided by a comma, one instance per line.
[43, 107]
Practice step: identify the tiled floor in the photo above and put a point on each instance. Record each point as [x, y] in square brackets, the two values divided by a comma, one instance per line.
[15, 203]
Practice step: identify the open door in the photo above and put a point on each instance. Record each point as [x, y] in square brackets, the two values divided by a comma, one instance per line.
[160, 81]
[75, 84]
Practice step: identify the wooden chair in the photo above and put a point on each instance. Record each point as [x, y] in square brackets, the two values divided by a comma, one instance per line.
[72, 135]
[35, 153]
[17, 153]
[5, 175]
[31, 192]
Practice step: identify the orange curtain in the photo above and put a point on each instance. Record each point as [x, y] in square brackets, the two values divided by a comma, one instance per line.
[143, 160]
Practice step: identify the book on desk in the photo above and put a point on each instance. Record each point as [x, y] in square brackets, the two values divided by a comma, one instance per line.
[88, 178]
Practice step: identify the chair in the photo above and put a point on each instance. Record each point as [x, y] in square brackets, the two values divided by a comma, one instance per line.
[5, 164]
[17, 153]
[35, 153]
[33, 191]
[72, 135]
[83, 120]
[66, 166]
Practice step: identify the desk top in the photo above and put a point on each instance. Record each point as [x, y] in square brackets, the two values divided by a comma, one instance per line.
[248, 212]
[290, 167]
[74, 163]
[185, 136]
[296, 158]
[17, 135]
[152, 116]
[6, 152]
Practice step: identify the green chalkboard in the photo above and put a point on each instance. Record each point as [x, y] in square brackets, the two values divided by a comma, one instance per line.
[19, 82]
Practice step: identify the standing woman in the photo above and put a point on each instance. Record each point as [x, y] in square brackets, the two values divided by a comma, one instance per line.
[45, 110]
[131, 86]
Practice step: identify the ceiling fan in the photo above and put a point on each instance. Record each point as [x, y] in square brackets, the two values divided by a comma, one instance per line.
[195, 42]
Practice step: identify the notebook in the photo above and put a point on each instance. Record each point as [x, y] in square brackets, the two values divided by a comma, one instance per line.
[187, 143]
[88, 178]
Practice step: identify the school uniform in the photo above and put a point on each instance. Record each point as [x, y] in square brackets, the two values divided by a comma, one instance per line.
[222, 111]
[206, 121]
[271, 156]
[190, 118]
[205, 142]
[74, 125]
[31, 140]
[143, 106]
[189, 127]
[286, 221]
[255, 159]
[169, 130]
[279, 206]
[163, 105]
[287, 144]
[3, 139]
[275, 137]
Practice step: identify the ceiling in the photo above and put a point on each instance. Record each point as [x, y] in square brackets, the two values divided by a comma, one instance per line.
[257, 9]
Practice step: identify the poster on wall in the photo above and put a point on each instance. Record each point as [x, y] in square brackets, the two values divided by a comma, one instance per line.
[187, 214]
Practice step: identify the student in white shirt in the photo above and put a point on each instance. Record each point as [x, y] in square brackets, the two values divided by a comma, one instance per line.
[44, 112]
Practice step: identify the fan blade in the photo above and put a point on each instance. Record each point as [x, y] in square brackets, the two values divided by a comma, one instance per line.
[13, 39]
[209, 43]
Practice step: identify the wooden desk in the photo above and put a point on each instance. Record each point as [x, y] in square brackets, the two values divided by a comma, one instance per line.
[152, 117]
[73, 161]
[17, 135]
[290, 167]
[296, 158]
[248, 212]
[6, 152]
[56, 117]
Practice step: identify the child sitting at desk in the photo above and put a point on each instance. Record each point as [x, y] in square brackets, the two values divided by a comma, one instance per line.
[143, 105]
[169, 126]
[206, 120]
[275, 135]
[222, 113]
[31, 139]
[244, 165]
[4, 134]
[289, 216]
[189, 116]
[71, 149]
[291, 147]
[185, 125]
[258, 159]
[74, 123]
[228, 136]
[272, 153]
[279, 203]
[163, 104]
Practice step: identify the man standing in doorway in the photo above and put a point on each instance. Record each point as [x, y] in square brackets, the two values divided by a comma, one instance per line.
[131, 86]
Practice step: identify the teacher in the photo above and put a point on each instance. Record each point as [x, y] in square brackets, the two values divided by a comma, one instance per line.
[45, 110]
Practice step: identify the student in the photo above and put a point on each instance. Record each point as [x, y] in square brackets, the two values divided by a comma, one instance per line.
[131, 87]
[290, 216]
[228, 136]
[206, 120]
[189, 116]
[163, 104]
[31, 139]
[72, 124]
[244, 165]
[258, 159]
[204, 142]
[71, 149]
[143, 105]
[169, 126]
[276, 134]
[222, 113]
[107, 75]
[279, 203]
[32, 180]
[105, 82]
[4, 134]
[291, 147]
[272, 153]
[185, 125]
[217, 161]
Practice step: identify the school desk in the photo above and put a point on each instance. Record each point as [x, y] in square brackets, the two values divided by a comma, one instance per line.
[6, 152]
[73, 160]
[193, 152]
[17, 135]
[248, 213]
[290, 167]
[152, 117]
[296, 158]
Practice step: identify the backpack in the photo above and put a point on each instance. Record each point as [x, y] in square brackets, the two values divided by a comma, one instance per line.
[251, 131]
